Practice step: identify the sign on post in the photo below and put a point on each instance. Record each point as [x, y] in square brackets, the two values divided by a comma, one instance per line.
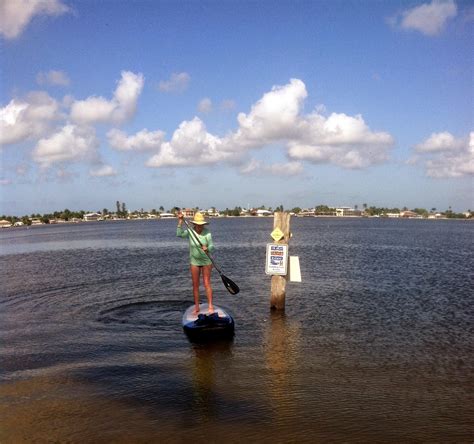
[277, 259]
[277, 234]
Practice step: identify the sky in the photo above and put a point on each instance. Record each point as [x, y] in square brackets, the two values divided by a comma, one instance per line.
[236, 103]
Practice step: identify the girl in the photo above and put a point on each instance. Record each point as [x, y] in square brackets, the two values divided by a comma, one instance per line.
[200, 262]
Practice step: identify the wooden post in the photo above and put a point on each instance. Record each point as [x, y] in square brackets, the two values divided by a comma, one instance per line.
[281, 220]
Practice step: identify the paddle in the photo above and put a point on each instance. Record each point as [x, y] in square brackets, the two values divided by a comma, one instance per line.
[231, 286]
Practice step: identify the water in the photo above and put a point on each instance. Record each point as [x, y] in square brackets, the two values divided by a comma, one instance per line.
[375, 344]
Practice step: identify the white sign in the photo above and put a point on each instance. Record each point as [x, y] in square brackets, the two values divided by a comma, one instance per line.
[295, 271]
[277, 259]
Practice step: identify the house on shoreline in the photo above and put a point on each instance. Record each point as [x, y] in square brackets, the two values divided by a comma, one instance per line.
[92, 217]
[348, 212]
[307, 212]
[5, 223]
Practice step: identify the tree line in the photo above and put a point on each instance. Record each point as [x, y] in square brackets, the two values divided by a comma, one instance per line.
[320, 209]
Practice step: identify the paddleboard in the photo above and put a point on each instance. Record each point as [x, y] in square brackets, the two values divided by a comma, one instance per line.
[206, 325]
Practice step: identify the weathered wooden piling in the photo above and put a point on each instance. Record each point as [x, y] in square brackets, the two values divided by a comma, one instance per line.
[281, 220]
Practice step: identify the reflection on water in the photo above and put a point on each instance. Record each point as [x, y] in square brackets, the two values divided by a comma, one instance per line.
[208, 360]
[375, 344]
[281, 360]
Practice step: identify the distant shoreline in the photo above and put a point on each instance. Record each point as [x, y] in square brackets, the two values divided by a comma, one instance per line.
[82, 222]
[322, 211]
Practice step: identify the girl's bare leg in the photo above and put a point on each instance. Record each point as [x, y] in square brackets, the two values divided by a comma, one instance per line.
[195, 274]
[206, 274]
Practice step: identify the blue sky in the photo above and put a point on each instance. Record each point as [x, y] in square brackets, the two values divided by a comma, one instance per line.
[235, 103]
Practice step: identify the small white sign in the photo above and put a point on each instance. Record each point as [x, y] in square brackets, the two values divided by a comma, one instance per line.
[295, 271]
[277, 259]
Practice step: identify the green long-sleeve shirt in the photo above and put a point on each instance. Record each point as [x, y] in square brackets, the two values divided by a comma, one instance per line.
[196, 254]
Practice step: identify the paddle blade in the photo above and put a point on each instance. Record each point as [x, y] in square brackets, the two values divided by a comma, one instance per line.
[231, 286]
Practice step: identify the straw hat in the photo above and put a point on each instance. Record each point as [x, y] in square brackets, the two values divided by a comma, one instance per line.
[199, 219]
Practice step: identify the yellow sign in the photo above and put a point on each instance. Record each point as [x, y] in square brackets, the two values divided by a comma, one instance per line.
[277, 234]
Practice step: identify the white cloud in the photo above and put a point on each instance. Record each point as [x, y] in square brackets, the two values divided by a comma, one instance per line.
[445, 156]
[53, 78]
[15, 15]
[339, 139]
[351, 159]
[144, 140]
[205, 105]
[177, 83]
[428, 18]
[71, 144]
[440, 142]
[277, 119]
[93, 110]
[103, 171]
[119, 109]
[274, 117]
[190, 145]
[27, 118]
[257, 167]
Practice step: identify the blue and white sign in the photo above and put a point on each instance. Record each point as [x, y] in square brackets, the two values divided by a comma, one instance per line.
[277, 259]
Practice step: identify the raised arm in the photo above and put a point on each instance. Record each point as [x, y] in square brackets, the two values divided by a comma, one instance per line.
[179, 230]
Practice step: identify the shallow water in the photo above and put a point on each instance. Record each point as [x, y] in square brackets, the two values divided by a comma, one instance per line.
[375, 344]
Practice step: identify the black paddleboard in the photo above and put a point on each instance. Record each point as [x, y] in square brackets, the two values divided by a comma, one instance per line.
[205, 325]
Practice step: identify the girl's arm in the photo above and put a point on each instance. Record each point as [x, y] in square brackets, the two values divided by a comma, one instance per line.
[181, 233]
[210, 244]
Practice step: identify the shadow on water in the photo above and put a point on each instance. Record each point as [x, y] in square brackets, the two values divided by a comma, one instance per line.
[191, 398]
